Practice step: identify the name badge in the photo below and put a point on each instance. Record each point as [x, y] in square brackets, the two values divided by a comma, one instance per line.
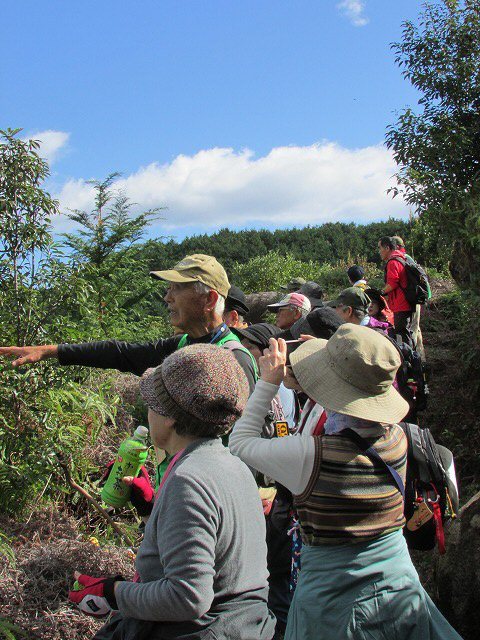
[281, 429]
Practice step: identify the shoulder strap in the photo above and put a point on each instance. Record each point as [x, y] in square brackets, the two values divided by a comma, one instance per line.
[398, 259]
[183, 341]
[374, 457]
[233, 343]
[320, 426]
[229, 341]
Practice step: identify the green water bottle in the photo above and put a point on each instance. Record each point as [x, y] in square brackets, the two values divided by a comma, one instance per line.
[132, 454]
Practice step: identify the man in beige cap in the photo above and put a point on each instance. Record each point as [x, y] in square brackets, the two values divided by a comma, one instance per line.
[198, 286]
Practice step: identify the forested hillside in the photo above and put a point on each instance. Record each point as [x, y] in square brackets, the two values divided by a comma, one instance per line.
[327, 243]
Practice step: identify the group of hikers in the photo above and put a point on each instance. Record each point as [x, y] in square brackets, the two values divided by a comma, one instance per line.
[278, 510]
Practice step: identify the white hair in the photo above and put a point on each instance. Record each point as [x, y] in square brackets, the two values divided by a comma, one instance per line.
[303, 312]
[219, 308]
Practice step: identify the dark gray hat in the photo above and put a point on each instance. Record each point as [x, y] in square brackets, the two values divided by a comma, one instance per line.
[293, 285]
[354, 297]
[259, 333]
[314, 292]
[236, 301]
[200, 386]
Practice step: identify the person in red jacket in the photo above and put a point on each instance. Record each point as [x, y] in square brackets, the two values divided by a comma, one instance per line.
[395, 285]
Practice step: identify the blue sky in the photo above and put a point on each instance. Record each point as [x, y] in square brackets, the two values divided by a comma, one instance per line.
[239, 114]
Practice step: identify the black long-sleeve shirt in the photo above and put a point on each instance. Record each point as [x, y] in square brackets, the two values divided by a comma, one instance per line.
[137, 357]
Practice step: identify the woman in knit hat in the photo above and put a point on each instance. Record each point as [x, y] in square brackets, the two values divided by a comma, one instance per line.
[356, 580]
[202, 562]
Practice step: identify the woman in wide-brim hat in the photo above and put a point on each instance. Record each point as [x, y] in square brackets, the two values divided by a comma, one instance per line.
[356, 580]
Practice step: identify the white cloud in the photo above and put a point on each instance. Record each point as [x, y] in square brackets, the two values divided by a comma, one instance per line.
[353, 10]
[290, 186]
[51, 143]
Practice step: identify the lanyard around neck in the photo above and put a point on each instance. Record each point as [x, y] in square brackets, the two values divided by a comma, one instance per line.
[171, 464]
[222, 329]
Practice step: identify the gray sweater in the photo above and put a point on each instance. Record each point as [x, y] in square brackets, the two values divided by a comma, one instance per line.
[202, 562]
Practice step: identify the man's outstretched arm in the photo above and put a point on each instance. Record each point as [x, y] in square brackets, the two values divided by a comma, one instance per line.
[109, 354]
[29, 355]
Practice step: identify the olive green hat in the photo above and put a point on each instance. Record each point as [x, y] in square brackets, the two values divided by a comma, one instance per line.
[353, 297]
[197, 268]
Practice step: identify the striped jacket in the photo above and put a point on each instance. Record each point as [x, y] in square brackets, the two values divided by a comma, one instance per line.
[348, 498]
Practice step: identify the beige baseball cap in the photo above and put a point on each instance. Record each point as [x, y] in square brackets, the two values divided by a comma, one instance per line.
[197, 268]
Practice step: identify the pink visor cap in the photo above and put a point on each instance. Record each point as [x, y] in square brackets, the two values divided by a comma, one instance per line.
[292, 300]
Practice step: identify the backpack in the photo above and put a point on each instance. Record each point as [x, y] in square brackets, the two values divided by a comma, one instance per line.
[430, 481]
[417, 290]
[410, 378]
[430, 492]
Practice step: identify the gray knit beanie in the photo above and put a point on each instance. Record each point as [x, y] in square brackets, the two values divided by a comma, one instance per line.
[202, 387]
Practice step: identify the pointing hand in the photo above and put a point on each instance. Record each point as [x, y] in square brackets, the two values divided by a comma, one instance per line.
[29, 355]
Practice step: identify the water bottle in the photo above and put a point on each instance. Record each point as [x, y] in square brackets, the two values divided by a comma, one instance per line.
[132, 454]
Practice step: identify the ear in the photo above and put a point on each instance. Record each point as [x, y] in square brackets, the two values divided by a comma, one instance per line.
[212, 299]
[230, 318]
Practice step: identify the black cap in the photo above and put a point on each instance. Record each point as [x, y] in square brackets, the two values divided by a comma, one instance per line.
[259, 334]
[313, 291]
[355, 272]
[236, 301]
[322, 322]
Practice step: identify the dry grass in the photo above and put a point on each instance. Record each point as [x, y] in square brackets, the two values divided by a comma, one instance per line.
[34, 589]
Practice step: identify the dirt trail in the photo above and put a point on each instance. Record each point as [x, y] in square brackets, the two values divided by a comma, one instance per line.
[450, 414]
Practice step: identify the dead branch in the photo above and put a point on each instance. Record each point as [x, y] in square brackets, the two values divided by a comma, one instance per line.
[68, 476]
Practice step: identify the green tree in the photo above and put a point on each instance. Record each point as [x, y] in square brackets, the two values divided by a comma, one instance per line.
[37, 289]
[31, 272]
[437, 147]
[33, 278]
[105, 248]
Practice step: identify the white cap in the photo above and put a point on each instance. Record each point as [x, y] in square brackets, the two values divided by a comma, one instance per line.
[141, 432]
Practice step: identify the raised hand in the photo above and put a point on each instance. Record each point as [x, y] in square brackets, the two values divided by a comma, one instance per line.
[29, 355]
[142, 496]
[272, 363]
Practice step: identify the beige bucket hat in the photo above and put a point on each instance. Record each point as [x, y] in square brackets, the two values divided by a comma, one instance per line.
[352, 373]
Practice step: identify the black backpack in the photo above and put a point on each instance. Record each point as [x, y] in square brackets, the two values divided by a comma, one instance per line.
[412, 384]
[430, 485]
[430, 479]
[417, 290]
[411, 381]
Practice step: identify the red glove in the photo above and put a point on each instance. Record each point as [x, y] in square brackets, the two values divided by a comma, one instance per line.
[96, 597]
[143, 495]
